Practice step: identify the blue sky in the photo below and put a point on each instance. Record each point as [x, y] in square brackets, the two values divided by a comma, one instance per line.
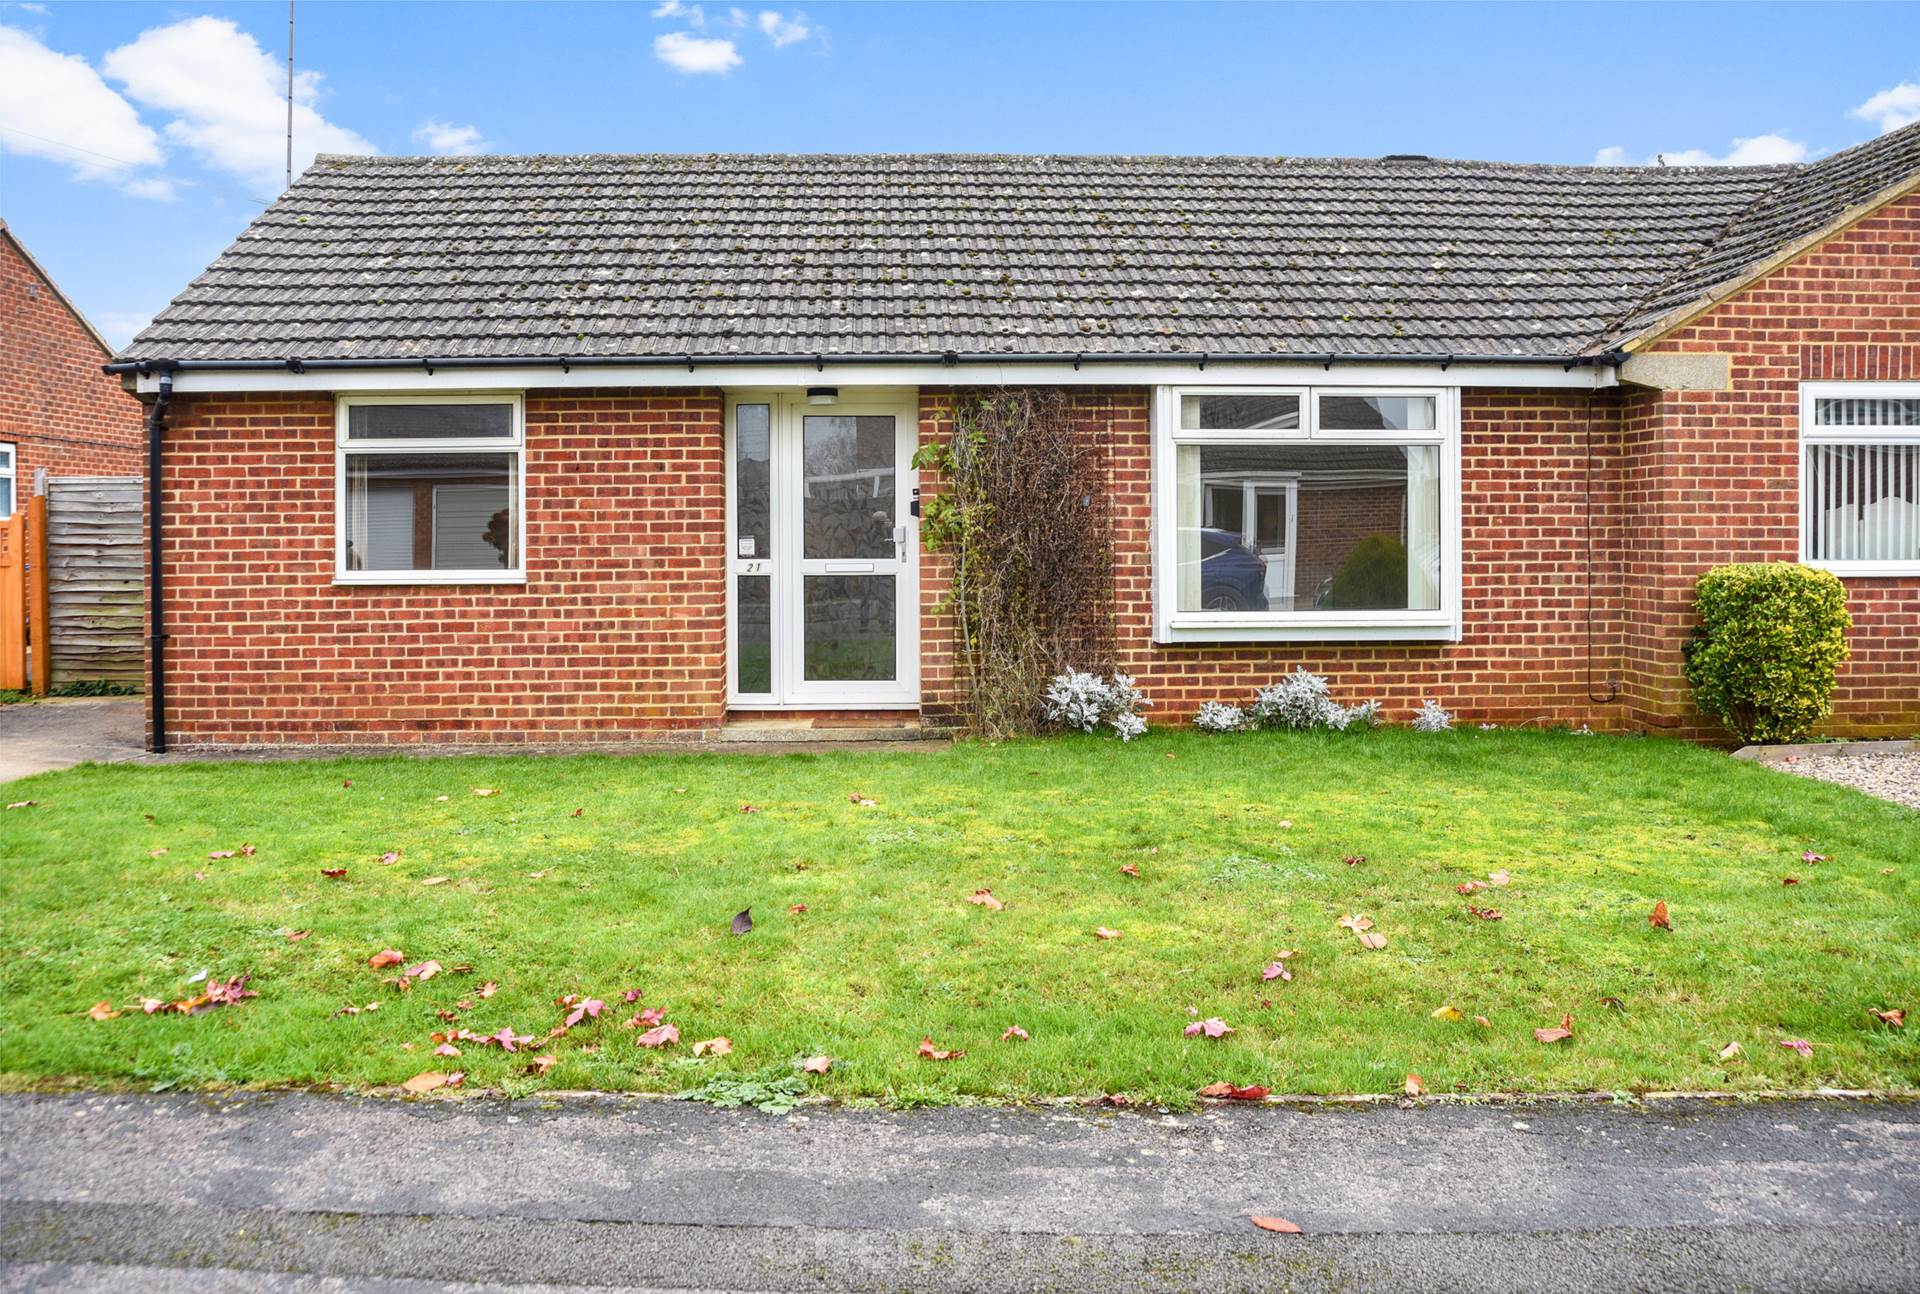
[136, 140]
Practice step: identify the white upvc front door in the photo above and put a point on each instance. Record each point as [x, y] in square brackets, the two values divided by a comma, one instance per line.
[823, 604]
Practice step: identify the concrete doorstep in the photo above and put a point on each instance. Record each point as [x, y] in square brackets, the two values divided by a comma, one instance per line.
[305, 1192]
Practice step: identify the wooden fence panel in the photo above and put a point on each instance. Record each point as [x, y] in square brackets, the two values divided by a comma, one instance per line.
[13, 603]
[38, 632]
[96, 578]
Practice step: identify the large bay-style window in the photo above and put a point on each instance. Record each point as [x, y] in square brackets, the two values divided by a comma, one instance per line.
[1306, 513]
[1860, 479]
[430, 490]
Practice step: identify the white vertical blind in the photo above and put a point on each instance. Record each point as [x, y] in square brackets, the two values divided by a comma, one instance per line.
[1863, 501]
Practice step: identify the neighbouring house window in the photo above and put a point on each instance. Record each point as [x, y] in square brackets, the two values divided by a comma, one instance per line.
[430, 490]
[1303, 513]
[1860, 480]
[9, 470]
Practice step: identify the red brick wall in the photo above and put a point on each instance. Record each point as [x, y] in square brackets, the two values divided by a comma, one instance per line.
[1715, 476]
[620, 629]
[56, 405]
[1525, 652]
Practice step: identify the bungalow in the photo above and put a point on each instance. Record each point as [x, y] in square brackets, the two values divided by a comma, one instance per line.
[511, 449]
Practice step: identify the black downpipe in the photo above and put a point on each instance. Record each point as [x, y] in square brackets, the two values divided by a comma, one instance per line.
[156, 582]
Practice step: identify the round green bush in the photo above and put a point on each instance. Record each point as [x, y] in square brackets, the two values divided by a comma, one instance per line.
[1771, 638]
[1373, 576]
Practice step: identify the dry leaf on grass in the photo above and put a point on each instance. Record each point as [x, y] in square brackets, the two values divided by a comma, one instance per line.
[420, 1084]
[1483, 1022]
[386, 957]
[1128, 869]
[1471, 887]
[985, 899]
[485, 790]
[1213, 1027]
[23, 804]
[434, 880]
[1893, 1016]
[1372, 939]
[1414, 1086]
[1810, 857]
[1014, 1031]
[796, 909]
[717, 1046]
[446, 1049]
[1731, 1050]
[1800, 1045]
[929, 1052]
[489, 989]
[295, 936]
[334, 873]
[816, 1064]
[742, 923]
[1485, 914]
[1789, 880]
[1447, 1013]
[661, 1035]
[1277, 968]
[102, 1011]
[1658, 918]
[1355, 924]
[389, 858]
[1498, 878]
[1561, 1034]
[1228, 1092]
[1354, 860]
[1280, 1225]
[541, 1064]
[1102, 932]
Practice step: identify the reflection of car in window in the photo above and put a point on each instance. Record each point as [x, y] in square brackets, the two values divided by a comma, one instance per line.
[1232, 578]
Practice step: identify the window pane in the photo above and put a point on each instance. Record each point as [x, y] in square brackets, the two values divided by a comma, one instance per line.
[1853, 411]
[1376, 413]
[849, 627]
[430, 512]
[1863, 503]
[1364, 534]
[428, 421]
[1239, 412]
[848, 508]
[6, 496]
[753, 618]
[6, 458]
[753, 495]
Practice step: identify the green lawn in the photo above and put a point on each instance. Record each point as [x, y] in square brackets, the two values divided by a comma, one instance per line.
[1239, 843]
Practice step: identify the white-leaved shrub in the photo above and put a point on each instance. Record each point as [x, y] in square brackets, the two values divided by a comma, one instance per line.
[1432, 718]
[1298, 702]
[1218, 716]
[1084, 701]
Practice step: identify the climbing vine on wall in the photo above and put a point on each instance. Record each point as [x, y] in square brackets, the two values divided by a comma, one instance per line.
[1025, 517]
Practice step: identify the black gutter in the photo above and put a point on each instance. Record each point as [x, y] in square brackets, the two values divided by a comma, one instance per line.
[1610, 359]
[156, 584]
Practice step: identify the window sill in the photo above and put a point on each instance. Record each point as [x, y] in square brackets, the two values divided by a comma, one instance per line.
[1191, 628]
[429, 577]
[1869, 570]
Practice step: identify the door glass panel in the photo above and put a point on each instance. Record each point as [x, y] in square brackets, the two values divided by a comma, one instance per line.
[850, 624]
[752, 515]
[847, 503]
[753, 618]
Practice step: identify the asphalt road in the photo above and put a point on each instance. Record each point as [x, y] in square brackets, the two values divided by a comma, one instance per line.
[325, 1194]
[40, 736]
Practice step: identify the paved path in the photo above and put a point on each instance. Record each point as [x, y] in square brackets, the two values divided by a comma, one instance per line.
[313, 1193]
[38, 736]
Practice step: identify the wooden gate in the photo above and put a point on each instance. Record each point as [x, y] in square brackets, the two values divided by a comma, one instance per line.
[23, 599]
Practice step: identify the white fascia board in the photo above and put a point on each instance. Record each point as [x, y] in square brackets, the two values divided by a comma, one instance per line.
[520, 378]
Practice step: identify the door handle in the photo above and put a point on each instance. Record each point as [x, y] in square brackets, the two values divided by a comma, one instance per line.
[900, 542]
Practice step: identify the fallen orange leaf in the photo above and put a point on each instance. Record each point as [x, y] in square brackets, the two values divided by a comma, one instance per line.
[431, 1080]
[1415, 1085]
[816, 1064]
[1658, 917]
[102, 1011]
[927, 1051]
[1280, 1225]
[986, 900]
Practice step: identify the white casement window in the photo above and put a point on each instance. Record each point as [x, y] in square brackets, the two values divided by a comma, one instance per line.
[1302, 513]
[430, 490]
[1860, 477]
[9, 470]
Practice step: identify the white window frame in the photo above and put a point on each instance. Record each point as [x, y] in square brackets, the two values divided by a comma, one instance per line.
[10, 472]
[1171, 625]
[1810, 434]
[513, 444]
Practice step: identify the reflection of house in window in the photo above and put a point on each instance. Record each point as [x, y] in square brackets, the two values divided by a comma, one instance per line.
[429, 513]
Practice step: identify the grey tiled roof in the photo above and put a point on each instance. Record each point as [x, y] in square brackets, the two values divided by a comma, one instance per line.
[841, 255]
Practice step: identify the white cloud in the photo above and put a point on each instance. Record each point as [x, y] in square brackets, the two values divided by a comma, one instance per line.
[160, 188]
[783, 30]
[225, 96]
[691, 14]
[449, 140]
[1758, 150]
[55, 106]
[1892, 109]
[29, 6]
[688, 53]
[737, 18]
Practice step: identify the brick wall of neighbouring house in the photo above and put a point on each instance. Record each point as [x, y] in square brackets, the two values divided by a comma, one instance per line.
[619, 630]
[1715, 476]
[56, 405]
[1538, 646]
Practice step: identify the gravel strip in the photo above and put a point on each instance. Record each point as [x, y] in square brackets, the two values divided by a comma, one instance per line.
[1894, 775]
